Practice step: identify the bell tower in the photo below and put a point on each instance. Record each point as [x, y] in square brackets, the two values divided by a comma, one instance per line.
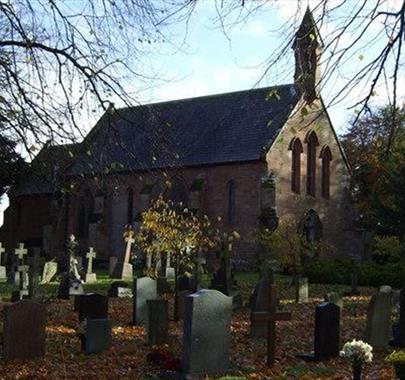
[307, 50]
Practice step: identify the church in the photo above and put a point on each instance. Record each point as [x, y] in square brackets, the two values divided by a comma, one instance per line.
[246, 159]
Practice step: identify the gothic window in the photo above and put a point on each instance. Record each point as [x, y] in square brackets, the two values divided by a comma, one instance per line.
[296, 150]
[312, 227]
[312, 143]
[231, 202]
[326, 158]
[130, 206]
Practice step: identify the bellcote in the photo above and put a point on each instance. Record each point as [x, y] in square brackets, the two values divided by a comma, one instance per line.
[307, 50]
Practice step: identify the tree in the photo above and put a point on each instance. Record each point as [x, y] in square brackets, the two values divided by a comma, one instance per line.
[12, 165]
[58, 58]
[379, 174]
[175, 230]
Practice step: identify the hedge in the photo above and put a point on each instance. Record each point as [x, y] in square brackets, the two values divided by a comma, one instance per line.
[370, 273]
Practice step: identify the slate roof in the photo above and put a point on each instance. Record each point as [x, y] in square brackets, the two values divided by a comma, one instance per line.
[46, 170]
[207, 130]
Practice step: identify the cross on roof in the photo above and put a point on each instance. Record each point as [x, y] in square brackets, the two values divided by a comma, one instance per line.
[21, 251]
[271, 317]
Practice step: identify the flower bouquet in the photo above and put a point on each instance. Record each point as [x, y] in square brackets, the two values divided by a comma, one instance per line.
[397, 359]
[359, 353]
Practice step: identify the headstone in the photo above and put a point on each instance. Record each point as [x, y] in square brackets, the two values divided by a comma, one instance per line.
[158, 321]
[260, 303]
[181, 302]
[170, 273]
[90, 276]
[3, 275]
[124, 292]
[379, 319]
[224, 277]
[302, 290]
[112, 264]
[35, 266]
[186, 283]
[49, 272]
[206, 333]
[24, 330]
[398, 329]
[97, 335]
[337, 299]
[92, 306]
[169, 270]
[118, 286]
[144, 289]
[327, 333]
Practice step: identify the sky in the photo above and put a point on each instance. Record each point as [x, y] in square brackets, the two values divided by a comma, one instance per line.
[211, 61]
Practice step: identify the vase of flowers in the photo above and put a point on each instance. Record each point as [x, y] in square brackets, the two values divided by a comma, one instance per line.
[397, 359]
[359, 353]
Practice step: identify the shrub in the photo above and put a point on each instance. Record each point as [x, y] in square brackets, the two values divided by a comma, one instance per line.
[370, 273]
[386, 249]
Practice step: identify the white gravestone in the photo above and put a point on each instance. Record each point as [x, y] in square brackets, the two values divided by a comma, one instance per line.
[169, 271]
[3, 275]
[20, 252]
[127, 267]
[90, 276]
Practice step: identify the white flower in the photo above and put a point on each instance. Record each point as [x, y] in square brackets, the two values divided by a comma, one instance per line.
[357, 350]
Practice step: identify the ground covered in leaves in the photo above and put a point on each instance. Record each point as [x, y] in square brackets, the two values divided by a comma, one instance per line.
[127, 358]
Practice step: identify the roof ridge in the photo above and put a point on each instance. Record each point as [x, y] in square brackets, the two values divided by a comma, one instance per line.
[205, 96]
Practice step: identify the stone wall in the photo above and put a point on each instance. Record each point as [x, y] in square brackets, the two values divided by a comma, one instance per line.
[336, 213]
[205, 188]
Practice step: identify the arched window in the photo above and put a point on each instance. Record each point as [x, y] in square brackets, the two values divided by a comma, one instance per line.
[296, 150]
[130, 206]
[312, 143]
[231, 202]
[326, 158]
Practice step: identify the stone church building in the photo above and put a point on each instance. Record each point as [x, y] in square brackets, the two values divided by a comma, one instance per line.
[247, 158]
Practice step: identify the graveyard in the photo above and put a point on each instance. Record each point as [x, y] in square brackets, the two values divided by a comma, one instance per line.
[127, 356]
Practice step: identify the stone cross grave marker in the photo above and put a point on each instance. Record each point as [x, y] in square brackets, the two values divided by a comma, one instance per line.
[271, 317]
[127, 266]
[259, 301]
[145, 289]
[379, 319]
[206, 333]
[169, 270]
[24, 330]
[22, 269]
[3, 275]
[90, 276]
[327, 333]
